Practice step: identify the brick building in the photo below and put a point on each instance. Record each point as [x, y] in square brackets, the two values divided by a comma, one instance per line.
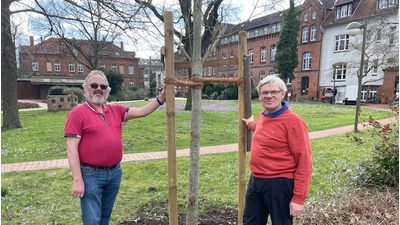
[52, 62]
[262, 37]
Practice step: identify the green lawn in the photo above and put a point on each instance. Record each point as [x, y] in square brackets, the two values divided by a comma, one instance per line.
[41, 137]
[44, 197]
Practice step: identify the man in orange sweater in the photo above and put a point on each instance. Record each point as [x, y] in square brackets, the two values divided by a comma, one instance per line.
[280, 159]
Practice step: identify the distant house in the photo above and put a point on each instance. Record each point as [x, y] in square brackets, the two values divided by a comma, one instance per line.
[53, 62]
[341, 53]
[262, 38]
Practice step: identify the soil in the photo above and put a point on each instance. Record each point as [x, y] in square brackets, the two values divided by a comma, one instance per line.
[213, 216]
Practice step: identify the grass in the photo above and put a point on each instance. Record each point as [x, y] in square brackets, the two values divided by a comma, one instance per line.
[41, 135]
[145, 184]
[44, 197]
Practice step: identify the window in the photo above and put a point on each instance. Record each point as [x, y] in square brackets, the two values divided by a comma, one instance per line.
[71, 67]
[342, 43]
[273, 52]
[307, 61]
[369, 35]
[256, 33]
[251, 54]
[49, 67]
[393, 3]
[265, 30]
[273, 28]
[114, 67]
[372, 92]
[383, 4]
[339, 72]
[262, 74]
[131, 84]
[343, 11]
[314, 15]
[313, 33]
[278, 27]
[103, 66]
[392, 35]
[231, 55]
[223, 56]
[57, 67]
[378, 34]
[75, 52]
[35, 66]
[363, 94]
[375, 68]
[80, 68]
[365, 70]
[271, 72]
[131, 70]
[304, 37]
[263, 54]
[121, 69]
[305, 18]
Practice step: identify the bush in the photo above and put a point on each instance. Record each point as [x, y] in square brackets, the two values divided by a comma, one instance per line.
[77, 91]
[128, 94]
[27, 105]
[383, 166]
[56, 90]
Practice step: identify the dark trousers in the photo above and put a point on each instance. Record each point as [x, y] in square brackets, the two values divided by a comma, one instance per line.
[268, 197]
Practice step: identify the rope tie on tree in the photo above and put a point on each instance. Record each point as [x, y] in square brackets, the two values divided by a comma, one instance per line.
[197, 83]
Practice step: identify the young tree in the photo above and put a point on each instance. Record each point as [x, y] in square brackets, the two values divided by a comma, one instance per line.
[286, 48]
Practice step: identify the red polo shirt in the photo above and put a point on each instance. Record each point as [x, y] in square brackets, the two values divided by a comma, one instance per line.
[100, 134]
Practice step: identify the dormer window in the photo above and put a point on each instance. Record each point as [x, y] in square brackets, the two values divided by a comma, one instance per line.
[343, 11]
[382, 4]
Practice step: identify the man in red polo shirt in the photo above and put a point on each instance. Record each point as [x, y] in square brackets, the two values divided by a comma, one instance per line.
[93, 132]
[280, 159]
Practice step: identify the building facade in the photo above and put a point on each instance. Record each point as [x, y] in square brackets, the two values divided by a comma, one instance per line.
[341, 53]
[52, 62]
[263, 35]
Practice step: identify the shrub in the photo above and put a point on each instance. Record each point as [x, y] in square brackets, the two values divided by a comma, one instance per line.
[27, 105]
[382, 168]
[56, 90]
[77, 91]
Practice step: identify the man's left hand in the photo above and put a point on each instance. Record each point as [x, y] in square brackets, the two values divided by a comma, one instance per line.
[296, 209]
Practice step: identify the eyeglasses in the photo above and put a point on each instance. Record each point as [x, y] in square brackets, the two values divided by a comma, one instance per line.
[95, 86]
[266, 93]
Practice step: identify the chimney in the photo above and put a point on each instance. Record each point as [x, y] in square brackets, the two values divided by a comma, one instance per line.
[31, 41]
[122, 45]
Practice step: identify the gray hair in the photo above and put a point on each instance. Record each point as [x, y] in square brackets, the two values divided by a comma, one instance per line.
[93, 73]
[270, 79]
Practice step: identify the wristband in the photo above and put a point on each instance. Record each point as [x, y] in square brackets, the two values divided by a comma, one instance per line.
[159, 102]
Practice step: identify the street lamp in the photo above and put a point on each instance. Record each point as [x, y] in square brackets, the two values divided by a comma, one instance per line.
[353, 29]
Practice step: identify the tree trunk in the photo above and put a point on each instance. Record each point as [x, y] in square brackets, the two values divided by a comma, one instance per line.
[192, 204]
[9, 98]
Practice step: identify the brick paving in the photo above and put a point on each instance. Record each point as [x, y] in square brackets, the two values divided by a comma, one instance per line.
[63, 163]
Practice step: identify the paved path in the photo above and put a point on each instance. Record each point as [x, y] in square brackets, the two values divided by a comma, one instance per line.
[63, 163]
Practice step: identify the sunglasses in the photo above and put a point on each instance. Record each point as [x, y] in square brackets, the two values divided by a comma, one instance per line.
[95, 86]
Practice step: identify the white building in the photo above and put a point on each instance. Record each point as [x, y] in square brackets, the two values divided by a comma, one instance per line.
[341, 53]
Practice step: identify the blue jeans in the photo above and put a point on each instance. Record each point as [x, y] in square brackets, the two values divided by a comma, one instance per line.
[101, 189]
[268, 197]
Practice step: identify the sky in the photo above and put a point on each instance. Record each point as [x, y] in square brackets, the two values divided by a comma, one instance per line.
[146, 49]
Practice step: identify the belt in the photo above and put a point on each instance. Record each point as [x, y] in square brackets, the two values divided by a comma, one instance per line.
[99, 167]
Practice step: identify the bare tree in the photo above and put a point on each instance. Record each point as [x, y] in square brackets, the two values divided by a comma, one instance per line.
[381, 48]
[84, 27]
[9, 98]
